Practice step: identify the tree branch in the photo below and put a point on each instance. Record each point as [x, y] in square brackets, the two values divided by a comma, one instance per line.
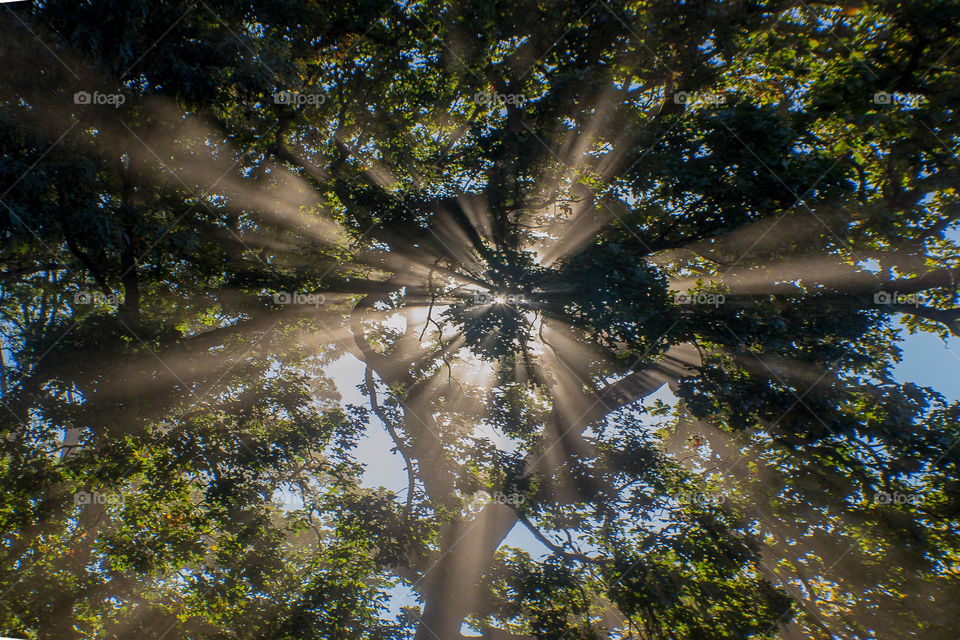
[391, 429]
[946, 317]
[559, 550]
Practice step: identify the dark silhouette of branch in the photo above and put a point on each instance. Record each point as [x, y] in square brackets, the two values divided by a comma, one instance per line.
[946, 317]
[391, 429]
[559, 550]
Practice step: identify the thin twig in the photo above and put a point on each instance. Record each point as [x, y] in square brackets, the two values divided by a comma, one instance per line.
[401, 447]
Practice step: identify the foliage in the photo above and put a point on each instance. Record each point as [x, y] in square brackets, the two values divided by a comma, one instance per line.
[623, 275]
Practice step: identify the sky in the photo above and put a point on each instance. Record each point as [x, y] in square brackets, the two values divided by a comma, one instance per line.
[930, 362]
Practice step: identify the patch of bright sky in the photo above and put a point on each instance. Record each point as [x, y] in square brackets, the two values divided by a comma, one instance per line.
[930, 362]
[384, 468]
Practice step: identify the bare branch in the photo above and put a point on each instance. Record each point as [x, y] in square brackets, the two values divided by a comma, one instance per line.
[391, 429]
[550, 544]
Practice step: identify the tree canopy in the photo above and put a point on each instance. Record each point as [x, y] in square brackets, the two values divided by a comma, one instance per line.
[629, 277]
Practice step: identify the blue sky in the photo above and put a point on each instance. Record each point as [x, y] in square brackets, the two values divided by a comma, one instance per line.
[931, 362]
[928, 360]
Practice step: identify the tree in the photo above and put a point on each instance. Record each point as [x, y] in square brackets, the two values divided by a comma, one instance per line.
[623, 275]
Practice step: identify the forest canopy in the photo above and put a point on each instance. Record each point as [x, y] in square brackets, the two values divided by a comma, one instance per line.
[627, 281]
